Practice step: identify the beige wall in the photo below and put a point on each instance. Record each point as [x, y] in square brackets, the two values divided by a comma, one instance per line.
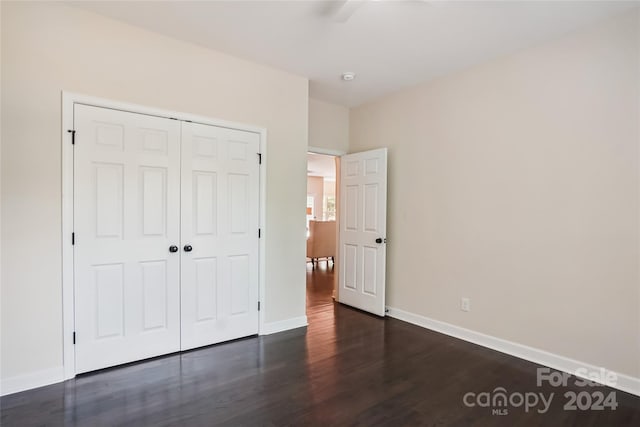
[328, 126]
[47, 48]
[315, 188]
[515, 183]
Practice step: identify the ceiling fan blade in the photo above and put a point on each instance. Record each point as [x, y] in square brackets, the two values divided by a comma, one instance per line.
[342, 11]
[346, 10]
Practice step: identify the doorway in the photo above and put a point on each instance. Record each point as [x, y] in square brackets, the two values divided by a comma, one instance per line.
[321, 216]
[352, 232]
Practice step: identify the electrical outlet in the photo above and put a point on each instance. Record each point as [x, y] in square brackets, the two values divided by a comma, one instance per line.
[465, 304]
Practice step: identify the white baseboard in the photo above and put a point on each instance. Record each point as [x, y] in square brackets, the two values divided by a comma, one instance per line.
[54, 375]
[283, 325]
[31, 380]
[624, 382]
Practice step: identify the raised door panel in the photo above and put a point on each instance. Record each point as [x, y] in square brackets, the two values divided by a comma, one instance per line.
[239, 283]
[369, 270]
[154, 295]
[370, 207]
[108, 300]
[205, 202]
[238, 203]
[109, 200]
[206, 286]
[351, 208]
[153, 195]
[350, 263]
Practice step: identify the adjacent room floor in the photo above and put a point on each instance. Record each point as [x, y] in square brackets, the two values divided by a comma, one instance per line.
[320, 305]
[346, 368]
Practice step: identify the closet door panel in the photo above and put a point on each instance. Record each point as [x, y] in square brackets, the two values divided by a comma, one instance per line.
[126, 215]
[220, 195]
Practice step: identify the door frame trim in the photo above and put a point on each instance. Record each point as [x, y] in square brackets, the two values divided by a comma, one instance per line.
[326, 151]
[69, 99]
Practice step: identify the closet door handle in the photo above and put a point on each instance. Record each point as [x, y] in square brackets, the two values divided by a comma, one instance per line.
[173, 248]
[187, 248]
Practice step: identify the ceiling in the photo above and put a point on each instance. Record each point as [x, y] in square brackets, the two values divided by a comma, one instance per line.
[388, 44]
[321, 165]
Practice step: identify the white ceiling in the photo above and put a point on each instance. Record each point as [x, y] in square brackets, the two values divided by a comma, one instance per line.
[388, 44]
[321, 165]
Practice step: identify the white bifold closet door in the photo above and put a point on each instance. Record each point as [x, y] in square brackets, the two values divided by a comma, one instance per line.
[220, 195]
[166, 235]
[126, 215]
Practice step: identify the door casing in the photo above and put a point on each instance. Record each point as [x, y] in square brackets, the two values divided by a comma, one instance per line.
[69, 99]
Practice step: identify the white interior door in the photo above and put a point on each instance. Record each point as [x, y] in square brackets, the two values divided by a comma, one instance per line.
[220, 197]
[127, 215]
[363, 228]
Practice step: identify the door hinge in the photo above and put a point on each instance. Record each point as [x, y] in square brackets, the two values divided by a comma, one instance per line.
[259, 158]
[258, 305]
[74, 337]
[73, 136]
[259, 233]
[73, 238]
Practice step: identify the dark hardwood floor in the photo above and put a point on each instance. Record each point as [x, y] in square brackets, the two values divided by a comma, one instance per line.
[320, 292]
[346, 368]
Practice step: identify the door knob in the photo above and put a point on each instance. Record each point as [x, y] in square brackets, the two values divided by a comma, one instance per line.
[379, 240]
[188, 248]
[173, 248]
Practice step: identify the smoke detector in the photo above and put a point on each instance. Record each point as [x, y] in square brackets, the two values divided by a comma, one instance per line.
[348, 76]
